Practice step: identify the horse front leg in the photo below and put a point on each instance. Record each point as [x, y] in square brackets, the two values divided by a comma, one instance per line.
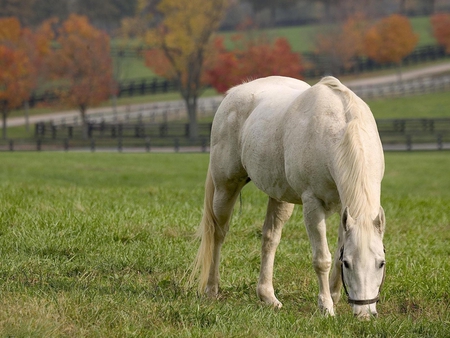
[314, 216]
[335, 278]
[277, 214]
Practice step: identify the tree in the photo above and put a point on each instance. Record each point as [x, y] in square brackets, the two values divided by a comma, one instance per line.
[83, 63]
[183, 39]
[250, 59]
[441, 30]
[14, 84]
[390, 40]
[21, 52]
[342, 44]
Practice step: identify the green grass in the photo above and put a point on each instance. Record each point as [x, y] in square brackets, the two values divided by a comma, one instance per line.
[420, 106]
[97, 245]
[301, 38]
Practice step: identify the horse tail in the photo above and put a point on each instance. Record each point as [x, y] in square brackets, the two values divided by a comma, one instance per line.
[205, 232]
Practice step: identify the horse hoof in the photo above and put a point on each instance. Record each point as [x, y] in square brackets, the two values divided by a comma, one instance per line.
[212, 292]
[329, 313]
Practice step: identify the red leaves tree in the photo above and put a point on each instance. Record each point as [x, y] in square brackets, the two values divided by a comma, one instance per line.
[441, 30]
[84, 64]
[21, 54]
[250, 59]
[390, 40]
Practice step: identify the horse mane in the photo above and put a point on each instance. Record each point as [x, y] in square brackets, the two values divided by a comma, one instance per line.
[351, 172]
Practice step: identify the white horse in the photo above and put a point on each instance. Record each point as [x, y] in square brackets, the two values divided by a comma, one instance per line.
[317, 146]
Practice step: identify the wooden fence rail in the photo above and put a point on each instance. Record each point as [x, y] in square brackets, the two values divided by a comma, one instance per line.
[396, 134]
[418, 86]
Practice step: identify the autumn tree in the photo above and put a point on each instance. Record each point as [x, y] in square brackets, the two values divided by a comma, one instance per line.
[83, 64]
[342, 44]
[21, 55]
[441, 30]
[390, 40]
[251, 58]
[182, 43]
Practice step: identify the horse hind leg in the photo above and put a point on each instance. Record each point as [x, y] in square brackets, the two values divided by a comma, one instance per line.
[218, 207]
[277, 214]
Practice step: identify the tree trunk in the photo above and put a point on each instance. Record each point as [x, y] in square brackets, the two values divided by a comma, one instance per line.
[84, 124]
[399, 72]
[191, 105]
[4, 115]
[27, 116]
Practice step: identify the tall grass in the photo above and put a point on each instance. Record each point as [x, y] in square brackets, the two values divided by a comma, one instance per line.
[98, 245]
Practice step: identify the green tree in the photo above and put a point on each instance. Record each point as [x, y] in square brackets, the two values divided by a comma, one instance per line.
[183, 37]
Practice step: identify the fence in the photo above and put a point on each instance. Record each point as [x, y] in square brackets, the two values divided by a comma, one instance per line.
[396, 134]
[415, 134]
[103, 130]
[416, 86]
[143, 113]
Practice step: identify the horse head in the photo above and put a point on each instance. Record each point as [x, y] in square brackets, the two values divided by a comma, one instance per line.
[363, 262]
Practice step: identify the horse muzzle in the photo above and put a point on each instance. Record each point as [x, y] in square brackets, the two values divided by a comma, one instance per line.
[365, 312]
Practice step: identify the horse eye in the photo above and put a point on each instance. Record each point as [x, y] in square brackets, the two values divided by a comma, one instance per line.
[346, 265]
[382, 264]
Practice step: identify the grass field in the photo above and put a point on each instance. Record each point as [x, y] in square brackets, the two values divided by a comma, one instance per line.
[97, 245]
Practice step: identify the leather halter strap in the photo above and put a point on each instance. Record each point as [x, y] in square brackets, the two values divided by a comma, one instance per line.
[358, 301]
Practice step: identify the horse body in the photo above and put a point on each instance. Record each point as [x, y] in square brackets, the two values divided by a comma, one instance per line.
[317, 146]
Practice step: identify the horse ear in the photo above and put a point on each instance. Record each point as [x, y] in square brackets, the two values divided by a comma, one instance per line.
[380, 221]
[347, 220]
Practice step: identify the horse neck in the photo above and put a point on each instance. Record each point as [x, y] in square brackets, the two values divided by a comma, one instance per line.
[357, 182]
[358, 155]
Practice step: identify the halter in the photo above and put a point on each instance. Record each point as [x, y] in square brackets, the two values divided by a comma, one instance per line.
[358, 301]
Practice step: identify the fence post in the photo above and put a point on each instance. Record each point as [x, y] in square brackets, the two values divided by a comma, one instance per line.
[38, 144]
[66, 144]
[408, 143]
[119, 145]
[177, 145]
[11, 145]
[439, 142]
[53, 127]
[203, 145]
[147, 144]
[92, 145]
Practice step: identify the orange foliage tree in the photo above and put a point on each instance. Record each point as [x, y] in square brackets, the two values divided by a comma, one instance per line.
[83, 63]
[390, 40]
[21, 55]
[342, 44]
[181, 43]
[250, 59]
[441, 30]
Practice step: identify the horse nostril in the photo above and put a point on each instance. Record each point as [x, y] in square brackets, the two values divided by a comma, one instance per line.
[375, 314]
